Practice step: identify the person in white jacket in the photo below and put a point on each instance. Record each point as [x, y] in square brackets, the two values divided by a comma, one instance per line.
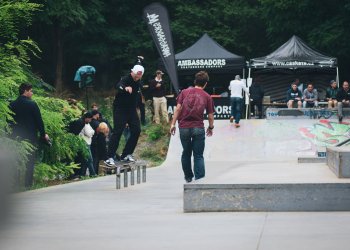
[87, 133]
[236, 87]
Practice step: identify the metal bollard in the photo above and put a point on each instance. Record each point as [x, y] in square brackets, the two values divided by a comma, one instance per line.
[117, 180]
[125, 177]
[132, 176]
[144, 173]
[138, 175]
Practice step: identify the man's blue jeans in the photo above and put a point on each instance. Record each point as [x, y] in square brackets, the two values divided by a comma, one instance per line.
[193, 140]
[236, 106]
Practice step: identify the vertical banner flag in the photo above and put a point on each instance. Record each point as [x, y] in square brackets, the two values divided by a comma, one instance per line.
[156, 16]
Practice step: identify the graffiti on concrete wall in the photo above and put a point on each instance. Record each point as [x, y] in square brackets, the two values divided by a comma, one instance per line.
[326, 133]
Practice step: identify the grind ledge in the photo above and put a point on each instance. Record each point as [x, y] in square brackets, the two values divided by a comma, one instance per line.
[267, 197]
[268, 187]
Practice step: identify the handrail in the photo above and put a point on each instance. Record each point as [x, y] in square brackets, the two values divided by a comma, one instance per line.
[343, 142]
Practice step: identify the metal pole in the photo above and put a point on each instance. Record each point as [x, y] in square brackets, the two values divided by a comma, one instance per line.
[125, 177]
[138, 175]
[117, 181]
[337, 79]
[87, 97]
[132, 176]
[247, 105]
[144, 173]
[342, 143]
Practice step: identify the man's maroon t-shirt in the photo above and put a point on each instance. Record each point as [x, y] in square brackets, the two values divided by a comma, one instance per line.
[194, 101]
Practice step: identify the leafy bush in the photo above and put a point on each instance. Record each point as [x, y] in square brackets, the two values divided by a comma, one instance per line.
[55, 161]
[156, 131]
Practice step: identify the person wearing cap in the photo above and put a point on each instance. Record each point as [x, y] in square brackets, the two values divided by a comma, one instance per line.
[236, 87]
[125, 112]
[331, 94]
[157, 87]
[82, 128]
[87, 133]
[343, 98]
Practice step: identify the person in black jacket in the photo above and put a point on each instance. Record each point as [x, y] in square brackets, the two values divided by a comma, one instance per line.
[343, 98]
[27, 123]
[294, 96]
[124, 112]
[256, 97]
[86, 162]
[157, 86]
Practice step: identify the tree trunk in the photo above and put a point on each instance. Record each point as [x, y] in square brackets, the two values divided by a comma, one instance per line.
[59, 58]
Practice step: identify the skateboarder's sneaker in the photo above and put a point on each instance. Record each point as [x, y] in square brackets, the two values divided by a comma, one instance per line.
[110, 162]
[237, 125]
[231, 119]
[129, 158]
[340, 118]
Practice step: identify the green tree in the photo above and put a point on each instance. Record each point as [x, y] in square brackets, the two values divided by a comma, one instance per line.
[322, 24]
[15, 50]
[60, 22]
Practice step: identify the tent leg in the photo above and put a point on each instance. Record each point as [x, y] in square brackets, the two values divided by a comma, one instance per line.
[249, 70]
[337, 79]
[87, 98]
[246, 111]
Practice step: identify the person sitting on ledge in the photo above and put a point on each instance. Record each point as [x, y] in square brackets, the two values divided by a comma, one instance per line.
[310, 97]
[331, 95]
[294, 96]
[343, 97]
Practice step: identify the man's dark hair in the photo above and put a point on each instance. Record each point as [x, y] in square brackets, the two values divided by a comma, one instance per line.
[201, 78]
[23, 87]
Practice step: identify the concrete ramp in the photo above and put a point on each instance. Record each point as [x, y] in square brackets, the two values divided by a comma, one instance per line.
[266, 139]
[255, 168]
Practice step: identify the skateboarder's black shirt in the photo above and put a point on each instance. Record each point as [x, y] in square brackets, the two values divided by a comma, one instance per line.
[123, 99]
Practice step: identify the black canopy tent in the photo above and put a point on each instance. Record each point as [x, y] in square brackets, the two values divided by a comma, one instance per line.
[206, 54]
[295, 58]
[294, 54]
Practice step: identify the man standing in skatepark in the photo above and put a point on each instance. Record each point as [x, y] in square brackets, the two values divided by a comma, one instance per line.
[191, 104]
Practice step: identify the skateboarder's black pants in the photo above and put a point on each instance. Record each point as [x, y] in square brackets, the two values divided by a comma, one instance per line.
[121, 117]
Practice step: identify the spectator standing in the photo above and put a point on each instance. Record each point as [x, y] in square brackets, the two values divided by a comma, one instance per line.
[294, 96]
[236, 87]
[28, 122]
[331, 95]
[191, 104]
[87, 133]
[124, 112]
[343, 98]
[79, 127]
[310, 97]
[256, 97]
[158, 91]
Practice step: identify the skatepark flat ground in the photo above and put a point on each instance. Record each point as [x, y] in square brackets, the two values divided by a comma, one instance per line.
[92, 214]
